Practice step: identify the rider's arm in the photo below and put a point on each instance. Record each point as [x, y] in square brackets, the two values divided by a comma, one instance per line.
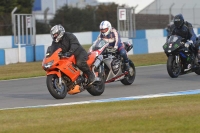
[192, 34]
[117, 37]
[73, 42]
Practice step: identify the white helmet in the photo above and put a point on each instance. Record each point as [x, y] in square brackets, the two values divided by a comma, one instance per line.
[105, 27]
[59, 31]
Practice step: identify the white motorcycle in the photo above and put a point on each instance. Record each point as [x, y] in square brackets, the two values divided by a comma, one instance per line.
[113, 64]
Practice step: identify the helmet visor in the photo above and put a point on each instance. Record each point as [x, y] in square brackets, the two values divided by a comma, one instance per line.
[54, 36]
[104, 30]
[178, 23]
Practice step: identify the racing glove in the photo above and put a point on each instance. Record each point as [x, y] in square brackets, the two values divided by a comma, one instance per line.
[188, 43]
[116, 47]
[67, 54]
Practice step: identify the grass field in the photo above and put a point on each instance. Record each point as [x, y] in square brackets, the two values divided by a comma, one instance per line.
[178, 114]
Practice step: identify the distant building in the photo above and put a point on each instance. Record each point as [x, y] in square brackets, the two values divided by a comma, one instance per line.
[44, 10]
[189, 8]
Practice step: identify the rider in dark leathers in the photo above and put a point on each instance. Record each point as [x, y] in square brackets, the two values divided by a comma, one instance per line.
[70, 45]
[185, 30]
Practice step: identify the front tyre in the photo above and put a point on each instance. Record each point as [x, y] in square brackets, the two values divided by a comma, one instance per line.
[129, 79]
[56, 90]
[173, 67]
[97, 88]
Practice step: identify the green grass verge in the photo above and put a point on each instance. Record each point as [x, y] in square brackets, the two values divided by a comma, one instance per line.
[34, 69]
[178, 114]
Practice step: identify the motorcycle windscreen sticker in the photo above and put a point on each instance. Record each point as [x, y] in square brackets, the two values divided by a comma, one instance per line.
[170, 46]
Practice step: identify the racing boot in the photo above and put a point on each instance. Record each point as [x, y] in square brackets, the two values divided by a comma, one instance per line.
[91, 77]
[126, 67]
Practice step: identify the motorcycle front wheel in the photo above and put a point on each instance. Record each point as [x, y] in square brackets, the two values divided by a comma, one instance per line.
[56, 90]
[173, 67]
[97, 88]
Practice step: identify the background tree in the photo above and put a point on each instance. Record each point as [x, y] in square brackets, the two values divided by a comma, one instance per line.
[6, 7]
[107, 12]
[74, 19]
[87, 19]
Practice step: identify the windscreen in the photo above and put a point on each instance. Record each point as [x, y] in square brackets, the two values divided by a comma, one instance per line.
[173, 38]
[99, 44]
[49, 51]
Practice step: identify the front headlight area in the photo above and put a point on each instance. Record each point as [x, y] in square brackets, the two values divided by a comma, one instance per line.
[48, 65]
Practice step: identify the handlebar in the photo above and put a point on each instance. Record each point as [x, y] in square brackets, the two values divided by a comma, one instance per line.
[61, 55]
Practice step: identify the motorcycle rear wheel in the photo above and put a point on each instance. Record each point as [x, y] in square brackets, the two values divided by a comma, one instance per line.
[197, 71]
[173, 68]
[129, 79]
[56, 90]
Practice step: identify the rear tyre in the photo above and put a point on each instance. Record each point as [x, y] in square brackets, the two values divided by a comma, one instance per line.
[129, 79]
[173, 68]
[56, 90]
[197, 71]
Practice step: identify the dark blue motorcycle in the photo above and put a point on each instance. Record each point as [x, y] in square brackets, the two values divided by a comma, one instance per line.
[181, 60]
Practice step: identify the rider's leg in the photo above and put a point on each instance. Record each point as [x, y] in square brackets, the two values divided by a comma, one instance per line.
[122, 52]
[81, 62]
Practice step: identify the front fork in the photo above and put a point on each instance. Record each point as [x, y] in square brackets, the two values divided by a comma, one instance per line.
[58, 73]
[60, 79]
[177, 58]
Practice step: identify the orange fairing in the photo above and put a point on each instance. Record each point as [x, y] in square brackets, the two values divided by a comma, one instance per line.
[91, 58]
[54, 72]
[72, 59]
[68, 69]
[64, 64]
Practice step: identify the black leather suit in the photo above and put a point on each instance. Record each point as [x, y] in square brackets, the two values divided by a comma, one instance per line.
[186, 31]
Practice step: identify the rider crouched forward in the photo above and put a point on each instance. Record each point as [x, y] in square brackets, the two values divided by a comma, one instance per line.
[71, 46]
[185, 30]
[110, 34]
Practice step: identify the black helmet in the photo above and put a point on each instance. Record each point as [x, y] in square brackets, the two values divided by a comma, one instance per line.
[178, 21]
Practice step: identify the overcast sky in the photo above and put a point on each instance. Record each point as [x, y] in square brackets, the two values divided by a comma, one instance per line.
[131, 3]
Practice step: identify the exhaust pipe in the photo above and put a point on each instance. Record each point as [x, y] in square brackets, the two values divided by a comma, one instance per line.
[98, 61]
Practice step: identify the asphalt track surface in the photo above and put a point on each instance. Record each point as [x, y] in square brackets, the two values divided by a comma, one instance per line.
[149, 80]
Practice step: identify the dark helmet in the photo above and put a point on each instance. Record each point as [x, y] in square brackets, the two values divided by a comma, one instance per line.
[178, 21]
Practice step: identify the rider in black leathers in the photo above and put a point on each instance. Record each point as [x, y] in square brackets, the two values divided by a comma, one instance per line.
[70, 45]
[185, 30]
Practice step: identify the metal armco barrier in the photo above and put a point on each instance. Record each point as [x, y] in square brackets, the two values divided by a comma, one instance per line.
[24, 30]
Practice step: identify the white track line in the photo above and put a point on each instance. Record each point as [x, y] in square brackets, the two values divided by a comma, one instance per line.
[189, 92]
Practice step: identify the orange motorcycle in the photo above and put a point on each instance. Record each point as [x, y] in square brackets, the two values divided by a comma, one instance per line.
[63, 76]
